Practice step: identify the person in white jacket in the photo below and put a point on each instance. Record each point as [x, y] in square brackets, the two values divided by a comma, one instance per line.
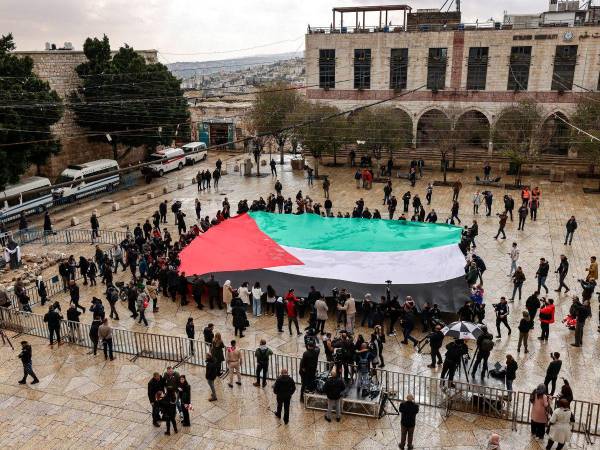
[322, 310]
[560, 425]
[257, 300]
[350, 308]
[244, 293]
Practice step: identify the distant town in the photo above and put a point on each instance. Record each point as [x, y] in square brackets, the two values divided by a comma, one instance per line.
[239, 75]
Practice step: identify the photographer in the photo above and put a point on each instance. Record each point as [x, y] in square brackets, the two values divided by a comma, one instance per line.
[349, 307]
[502, 312]
[485, 344]
[454, 353]
[408, 321]
[344, 354]
[341, 300]
[588, 288]
[546, 318]
[393, 309]
[436, 339]
[308, 369]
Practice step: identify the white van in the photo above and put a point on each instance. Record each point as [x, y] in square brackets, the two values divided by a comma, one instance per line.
[79, 186]
[27, 201]
[166, 160]
[194, 152]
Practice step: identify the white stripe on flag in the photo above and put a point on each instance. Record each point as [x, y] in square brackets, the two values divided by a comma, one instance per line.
[409, 267]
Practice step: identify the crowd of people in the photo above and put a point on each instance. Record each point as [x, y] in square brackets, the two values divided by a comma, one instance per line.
[151, 254]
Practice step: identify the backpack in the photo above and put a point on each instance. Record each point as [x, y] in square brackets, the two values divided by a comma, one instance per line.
[487, 345]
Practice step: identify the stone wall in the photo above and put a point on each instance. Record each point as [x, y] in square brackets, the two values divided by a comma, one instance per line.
[58, 68]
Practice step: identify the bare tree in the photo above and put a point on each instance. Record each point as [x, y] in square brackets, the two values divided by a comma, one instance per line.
[383, 128]
[520, 134]
[322, 134]
[275, 108]
[587, 118]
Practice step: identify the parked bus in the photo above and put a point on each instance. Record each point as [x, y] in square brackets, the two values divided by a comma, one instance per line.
[80, 186]
[27, 201]
[194, 152]
[165, 160]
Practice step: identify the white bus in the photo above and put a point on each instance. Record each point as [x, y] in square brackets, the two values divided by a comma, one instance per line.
[166, 160]
[194, 152]
[27, 201]
[80, 186]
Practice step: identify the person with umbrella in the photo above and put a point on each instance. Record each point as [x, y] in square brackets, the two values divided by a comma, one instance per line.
[455, 350]
[454, 353]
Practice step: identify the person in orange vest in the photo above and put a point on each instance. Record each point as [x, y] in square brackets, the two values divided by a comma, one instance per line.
[525, 195]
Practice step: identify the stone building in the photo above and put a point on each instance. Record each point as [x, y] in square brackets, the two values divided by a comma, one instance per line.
[466, 72]
[57, 67]
[216, 122]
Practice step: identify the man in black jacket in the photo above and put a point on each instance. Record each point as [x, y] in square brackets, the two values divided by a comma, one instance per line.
[53, 318]
[509, 205]
[562, 270]
[95, 225]
[308, 368]
[162, 210]
[485, 344]
[552, 372]
[333, 389]
[409, 410]
[532, 305]
[284, 388]
[583, 312]
[435, 342]
[571, 227]
[542, 274]
[74, 294]
[155, 385]
[454, 352]
[25, 357]
[406, 200]
[213, 292]
[523, 212]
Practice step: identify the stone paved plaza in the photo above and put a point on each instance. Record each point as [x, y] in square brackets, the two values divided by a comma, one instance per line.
[83, 402]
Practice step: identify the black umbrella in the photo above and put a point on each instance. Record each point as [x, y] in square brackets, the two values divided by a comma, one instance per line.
[462, 330]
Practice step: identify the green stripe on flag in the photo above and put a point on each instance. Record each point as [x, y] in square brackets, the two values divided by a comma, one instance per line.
[311, 231]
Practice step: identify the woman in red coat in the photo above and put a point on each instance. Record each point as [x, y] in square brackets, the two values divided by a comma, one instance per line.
[546, 318]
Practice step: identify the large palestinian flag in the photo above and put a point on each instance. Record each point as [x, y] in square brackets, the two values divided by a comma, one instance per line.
[298, 251]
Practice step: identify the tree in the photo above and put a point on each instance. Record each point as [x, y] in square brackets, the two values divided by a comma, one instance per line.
[520, 134]
[587, 118]
[136, 103]
[322, 135]
[275, 108]
[28, 109]
[383, 128]
[439, 133]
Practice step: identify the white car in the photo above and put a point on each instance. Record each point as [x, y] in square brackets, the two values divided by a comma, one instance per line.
[166, 160]
[194, 152]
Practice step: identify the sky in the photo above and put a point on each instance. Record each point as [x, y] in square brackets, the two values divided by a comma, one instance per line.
[200, 30]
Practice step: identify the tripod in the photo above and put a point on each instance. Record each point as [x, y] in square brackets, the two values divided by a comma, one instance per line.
[5, 339]
[422, 343]
[385, 400]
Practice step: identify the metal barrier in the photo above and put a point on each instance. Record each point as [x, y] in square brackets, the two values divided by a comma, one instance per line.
[67, 236]
[54, 286]
[428, 391]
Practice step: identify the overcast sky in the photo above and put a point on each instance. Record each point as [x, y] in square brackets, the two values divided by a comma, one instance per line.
[197, 30]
